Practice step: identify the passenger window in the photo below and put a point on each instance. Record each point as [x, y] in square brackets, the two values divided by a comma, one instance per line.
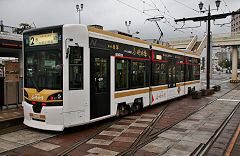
[138, 74]
[159, 73]
[179, 72]
[76, 68]
[196, 69]
[122, 72]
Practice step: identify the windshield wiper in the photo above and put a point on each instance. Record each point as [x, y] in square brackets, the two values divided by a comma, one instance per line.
[34, 83]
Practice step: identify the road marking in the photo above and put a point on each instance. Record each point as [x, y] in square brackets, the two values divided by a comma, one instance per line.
[233, 142]
[231, 100]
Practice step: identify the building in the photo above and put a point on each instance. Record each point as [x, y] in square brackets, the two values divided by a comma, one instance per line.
[235, 23]
[222, 56]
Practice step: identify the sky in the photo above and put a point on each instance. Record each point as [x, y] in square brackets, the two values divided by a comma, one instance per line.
[112, 14]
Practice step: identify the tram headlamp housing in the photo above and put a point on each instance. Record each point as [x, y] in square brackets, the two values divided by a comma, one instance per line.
[57, 96]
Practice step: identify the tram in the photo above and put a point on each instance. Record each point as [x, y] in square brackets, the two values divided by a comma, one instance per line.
[77, 74]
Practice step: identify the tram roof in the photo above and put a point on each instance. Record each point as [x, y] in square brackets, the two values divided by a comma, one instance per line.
[96, 30]
[116, 35]
[178, 50]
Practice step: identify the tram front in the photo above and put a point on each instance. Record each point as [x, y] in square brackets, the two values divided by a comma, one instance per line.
[43, 78]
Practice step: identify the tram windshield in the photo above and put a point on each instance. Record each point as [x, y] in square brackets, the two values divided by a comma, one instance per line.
[43, 64]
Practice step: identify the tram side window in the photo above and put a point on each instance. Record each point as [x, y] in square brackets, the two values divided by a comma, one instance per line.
[196, 69]
[179, 72]
[138, 74]
[122, 72]
[159, 73]
[76, 68]
[189, 70]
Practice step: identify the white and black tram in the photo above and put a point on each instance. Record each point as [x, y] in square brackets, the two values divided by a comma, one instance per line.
[74, 75]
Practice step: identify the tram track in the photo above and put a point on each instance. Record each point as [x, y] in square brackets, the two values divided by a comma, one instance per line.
[79, 143]
[203, 148]
[152, 136]
[147, 136]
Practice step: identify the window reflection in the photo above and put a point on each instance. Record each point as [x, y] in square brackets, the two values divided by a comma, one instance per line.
[76, 68]
[100, 75]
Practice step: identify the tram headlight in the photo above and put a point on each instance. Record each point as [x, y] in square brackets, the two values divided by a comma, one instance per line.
[25, 94]
[57, 96]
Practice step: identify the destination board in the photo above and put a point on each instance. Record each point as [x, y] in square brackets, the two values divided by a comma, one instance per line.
[43, 39]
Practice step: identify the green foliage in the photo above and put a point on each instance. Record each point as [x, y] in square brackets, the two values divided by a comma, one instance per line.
[23, 26]
[225, 64]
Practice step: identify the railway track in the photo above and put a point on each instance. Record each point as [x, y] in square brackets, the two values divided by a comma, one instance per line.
[148, 137]
[79, 143]
[203, 148]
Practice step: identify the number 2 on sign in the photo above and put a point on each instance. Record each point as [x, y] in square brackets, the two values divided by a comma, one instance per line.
[32, 40]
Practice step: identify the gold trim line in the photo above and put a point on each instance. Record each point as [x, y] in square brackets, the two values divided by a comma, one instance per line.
[129, 93]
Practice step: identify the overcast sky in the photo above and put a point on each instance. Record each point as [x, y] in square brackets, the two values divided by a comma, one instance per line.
[112, 14]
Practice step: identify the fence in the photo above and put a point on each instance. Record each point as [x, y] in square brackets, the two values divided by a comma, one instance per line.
[11, 93]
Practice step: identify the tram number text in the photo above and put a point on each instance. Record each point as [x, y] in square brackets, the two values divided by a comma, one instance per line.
[118, 54]
[37, 97]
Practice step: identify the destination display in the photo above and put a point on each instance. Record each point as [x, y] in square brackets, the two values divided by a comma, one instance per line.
[120, 49]
[43, 39]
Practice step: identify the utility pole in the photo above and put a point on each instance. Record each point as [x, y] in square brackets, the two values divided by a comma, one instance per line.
[79, 9]
[208, 18]
[1, 26]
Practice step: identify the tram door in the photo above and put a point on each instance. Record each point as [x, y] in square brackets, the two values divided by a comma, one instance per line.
[99, 83]
[171, 73]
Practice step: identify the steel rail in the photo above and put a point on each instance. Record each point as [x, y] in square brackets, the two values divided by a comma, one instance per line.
[203, 149]
[153, 136]
[79, 143]
[146, 132]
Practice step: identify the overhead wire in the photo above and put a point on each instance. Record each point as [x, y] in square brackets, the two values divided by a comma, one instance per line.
[187, 6]
[226, 5]
[167, 21]
[166, 8]
[134, 8]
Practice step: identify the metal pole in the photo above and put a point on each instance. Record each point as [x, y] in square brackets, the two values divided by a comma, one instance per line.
[1, 26]
[79, 17]
[7, 94]
[17, 93]
[208, 49]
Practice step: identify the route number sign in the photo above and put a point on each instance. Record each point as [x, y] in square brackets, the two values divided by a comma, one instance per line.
[43, 39]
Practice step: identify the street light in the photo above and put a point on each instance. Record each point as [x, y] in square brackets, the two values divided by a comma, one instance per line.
[200, 5]
[208, 38]
[128, 23]
[79, 9]
[217, 3]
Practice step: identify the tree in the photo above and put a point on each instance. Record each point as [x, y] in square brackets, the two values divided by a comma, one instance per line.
[225, 64]
[222, 64]
[23, 26]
